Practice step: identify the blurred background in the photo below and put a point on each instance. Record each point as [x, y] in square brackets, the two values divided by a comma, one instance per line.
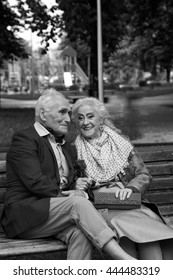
[57, 44]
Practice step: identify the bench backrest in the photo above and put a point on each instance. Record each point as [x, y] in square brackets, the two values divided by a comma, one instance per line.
[159, 160]
[2, 185]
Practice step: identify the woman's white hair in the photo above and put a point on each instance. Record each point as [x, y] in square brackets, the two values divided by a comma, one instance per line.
[97, 105]
[46, 101]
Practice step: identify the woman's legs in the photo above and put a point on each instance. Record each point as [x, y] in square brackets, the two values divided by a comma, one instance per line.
[150, 251]
[129, 246]
[115, 251]
[167, 249]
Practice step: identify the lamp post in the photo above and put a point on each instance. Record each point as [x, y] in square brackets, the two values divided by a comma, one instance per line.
[1, 74]
[32, 89]
[99, 50]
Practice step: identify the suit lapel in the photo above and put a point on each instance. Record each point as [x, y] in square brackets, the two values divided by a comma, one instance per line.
[65, 152]
[46, 141]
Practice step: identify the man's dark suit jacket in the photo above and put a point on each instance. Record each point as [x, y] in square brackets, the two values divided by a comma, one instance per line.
[32, 178]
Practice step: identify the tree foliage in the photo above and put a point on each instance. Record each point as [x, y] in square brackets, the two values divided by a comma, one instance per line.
[148, 25]
[79, 21]
[10, 44]
[151, 23]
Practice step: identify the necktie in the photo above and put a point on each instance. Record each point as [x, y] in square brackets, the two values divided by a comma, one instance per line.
[59, 140]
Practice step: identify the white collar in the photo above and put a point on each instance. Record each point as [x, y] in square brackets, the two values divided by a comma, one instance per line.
[42, 131]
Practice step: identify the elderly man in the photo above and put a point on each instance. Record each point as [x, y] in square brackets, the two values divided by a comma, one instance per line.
[39, 164]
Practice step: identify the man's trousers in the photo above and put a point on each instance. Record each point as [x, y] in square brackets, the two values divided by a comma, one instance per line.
[75, 221]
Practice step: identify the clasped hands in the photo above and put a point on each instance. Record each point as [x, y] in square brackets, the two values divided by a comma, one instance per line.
[82, 185]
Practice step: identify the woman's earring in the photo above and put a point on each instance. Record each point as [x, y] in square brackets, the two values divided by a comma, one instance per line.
[101, 127]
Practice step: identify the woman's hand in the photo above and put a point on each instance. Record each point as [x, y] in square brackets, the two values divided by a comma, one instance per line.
[123, 193]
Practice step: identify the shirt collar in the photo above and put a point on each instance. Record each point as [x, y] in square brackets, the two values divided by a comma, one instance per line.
[42, 131]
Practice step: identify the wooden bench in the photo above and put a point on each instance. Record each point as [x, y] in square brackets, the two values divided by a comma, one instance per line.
[159, 160]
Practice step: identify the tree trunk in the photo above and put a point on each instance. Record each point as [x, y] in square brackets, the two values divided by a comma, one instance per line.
[168, 72]
[93, 75]
[93, 91]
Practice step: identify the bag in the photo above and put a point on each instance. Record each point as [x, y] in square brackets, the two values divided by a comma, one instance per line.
[109, 201]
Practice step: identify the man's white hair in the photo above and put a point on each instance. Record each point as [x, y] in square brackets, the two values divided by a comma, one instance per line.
[46, 101]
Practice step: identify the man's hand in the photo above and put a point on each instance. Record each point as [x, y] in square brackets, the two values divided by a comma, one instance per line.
[123, 193]
[82, 183]
[75, 193]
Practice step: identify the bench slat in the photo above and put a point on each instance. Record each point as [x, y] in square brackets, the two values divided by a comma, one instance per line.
[162, 183]
[2, 155]
[2, 166]
[2, 194]
[154, 146]
[166, 210]
[155, 156]
[169, 221]
[2, 180]
[1, 208]
[14, 247]
[160, 197]
[160, 168]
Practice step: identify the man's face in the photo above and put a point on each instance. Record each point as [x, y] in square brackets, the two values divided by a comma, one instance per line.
[58, 117]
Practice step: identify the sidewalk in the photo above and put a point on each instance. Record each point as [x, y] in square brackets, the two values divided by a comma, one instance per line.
[13, 103]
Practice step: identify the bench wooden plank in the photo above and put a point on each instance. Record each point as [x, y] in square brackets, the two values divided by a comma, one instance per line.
[164, 183]
[169, 221]
[1, 209]
[2, 166]
[153, 146]
[154, 156]
[161, 168]
[2, 194]
[13, 247]
[2, 180]
[166, 210]
[2, 156]
[160, 197]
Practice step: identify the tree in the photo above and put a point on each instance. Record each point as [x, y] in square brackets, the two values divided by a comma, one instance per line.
[10, 44]
[148, 25]
[79, 22]
[123, 66]
[151, 23]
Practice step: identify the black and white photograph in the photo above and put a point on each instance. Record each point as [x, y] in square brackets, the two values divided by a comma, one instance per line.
[86, 139]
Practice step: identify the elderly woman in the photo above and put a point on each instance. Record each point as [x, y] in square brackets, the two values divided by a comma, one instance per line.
[110, 157]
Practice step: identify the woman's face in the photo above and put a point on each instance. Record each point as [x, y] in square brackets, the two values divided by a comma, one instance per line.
[88, 121]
